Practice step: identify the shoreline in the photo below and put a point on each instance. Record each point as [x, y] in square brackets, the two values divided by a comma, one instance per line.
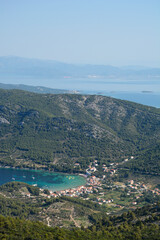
[47, 186]
[42, 169]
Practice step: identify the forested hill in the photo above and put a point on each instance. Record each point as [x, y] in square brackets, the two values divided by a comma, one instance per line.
[141, 224]
[59, 130]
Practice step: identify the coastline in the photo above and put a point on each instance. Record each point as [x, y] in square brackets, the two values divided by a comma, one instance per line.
[66, 180]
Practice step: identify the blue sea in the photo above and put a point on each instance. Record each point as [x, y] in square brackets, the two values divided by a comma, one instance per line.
[143, 91]
[42, 179]
[146, 98]
[146, 92]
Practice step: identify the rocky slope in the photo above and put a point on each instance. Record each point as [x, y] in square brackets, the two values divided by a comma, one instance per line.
[59, 130]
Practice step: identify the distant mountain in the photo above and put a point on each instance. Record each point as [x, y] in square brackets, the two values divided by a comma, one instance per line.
[17, 67]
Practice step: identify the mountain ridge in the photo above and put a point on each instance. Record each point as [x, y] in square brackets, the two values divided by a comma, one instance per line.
[25, 67]
[59, 130]
[35, 89]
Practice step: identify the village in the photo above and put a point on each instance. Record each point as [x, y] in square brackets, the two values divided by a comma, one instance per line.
[105, 192]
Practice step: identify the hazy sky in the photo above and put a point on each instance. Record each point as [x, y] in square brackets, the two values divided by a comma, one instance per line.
[115, 32]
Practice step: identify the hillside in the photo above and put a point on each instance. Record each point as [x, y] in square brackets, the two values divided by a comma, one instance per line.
[71, 217]
[137, 225]
[25, 201]
[35, 89]
[56, 131]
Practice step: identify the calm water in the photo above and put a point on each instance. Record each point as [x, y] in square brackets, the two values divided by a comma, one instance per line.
[144, 91]
[150, 99]
[145, 98]
[43, 179]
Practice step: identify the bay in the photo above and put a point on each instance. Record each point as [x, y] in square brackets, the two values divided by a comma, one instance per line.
[43, 179]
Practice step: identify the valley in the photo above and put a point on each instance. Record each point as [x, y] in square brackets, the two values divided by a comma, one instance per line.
[114, 144]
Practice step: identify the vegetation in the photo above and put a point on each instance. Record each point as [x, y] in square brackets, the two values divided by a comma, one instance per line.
[147, 162]
[21, 200]
[127, 226]
[14, 187]
[55, 131]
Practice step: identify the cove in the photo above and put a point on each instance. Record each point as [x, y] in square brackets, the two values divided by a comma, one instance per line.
[43, 179]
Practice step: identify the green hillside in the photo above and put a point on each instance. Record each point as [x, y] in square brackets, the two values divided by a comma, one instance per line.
[55, 131]
[137, 225]
[38, 217]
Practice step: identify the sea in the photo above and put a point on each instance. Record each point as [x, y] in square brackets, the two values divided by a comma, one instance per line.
[43, 179]
[146, 92]
[143, 91]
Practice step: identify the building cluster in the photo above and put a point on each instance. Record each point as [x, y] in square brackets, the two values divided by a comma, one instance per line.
[93, 183]
[156, 191]
[92, 168]
[109, 170]
[74, 192]
[136, 186]
[96, 185]
[103, 201]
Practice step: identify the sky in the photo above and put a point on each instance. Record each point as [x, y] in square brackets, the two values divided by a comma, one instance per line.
[109, 32]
